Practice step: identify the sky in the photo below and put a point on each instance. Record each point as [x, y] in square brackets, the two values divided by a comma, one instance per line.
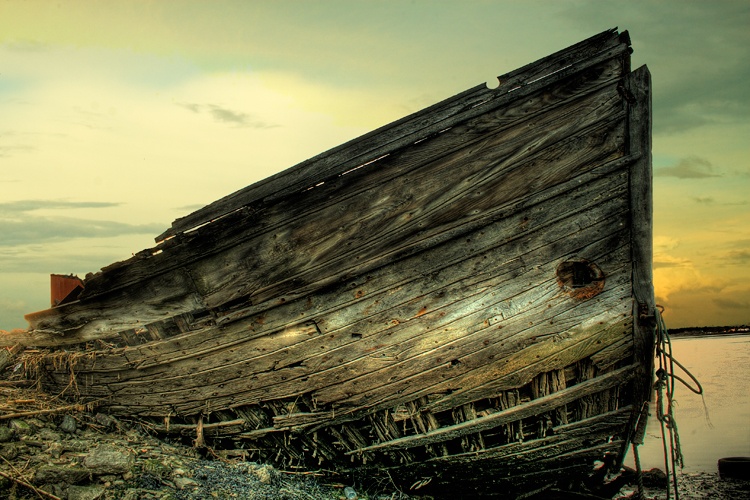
[118, 117]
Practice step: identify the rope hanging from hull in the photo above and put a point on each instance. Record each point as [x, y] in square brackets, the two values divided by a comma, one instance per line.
[665, 390]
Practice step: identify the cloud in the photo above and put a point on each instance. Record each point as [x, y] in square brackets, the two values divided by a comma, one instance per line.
[697, 51]
[739, 257]
[704, 200]
[225, 115]
[7, 151]
[11, 145]
[674, 273]
[26, 46]
[19, 225]
[30, 229]
[692, 167]
[668, 265]
[24, 206]
[724, 303]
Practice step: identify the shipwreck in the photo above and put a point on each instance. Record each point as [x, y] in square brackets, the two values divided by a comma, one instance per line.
[461, 297]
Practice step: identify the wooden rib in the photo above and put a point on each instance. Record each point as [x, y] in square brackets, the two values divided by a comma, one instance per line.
[606, 424]
[546, 403]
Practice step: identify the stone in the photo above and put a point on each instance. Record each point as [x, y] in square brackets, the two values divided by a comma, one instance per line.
[9, 451]
[55, 489]
[85, 492]
[55, 449]
[264, 473]
[78, 445]
[47, 434]
[155, 467]
[107, 421]
[108, 459]
[131, 495]
[60, 474]
[655, 478]
[68, 424]
[6, 434]
[21, 427]
[184, 482]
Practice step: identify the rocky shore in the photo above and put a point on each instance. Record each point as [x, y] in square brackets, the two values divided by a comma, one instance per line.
[56, 451]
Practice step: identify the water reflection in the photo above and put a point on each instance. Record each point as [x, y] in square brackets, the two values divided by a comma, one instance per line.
[722, 365]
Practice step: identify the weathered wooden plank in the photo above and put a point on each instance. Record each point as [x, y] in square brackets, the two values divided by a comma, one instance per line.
[236, 386]
[407, 130]
[485, 479]
[546, 403]
[452, 267]
[610, 355]
[304, 349]
[602, 181]
[491, 378]
[638, 87]
[378, 230]
[356, 302]
[536, 310]
[606, 424]
[362, 245]
[560, 60]
[289, 381]
[162, 397]
[121, 310]
[518, 369]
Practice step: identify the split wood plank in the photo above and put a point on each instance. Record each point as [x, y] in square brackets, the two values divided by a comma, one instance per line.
[546, 403]
[325, 342]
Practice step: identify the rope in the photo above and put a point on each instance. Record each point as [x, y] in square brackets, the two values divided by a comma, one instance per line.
[665, 390]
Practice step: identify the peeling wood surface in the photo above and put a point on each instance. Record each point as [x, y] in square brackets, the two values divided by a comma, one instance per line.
[397, 302]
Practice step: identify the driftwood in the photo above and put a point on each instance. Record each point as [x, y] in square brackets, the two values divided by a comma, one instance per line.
[7, 355]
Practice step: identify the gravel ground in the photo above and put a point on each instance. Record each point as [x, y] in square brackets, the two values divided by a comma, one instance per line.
[705, 485]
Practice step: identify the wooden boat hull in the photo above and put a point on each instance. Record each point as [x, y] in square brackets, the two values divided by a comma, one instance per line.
[458, 298]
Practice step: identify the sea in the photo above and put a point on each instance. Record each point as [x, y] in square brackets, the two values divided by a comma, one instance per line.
[712, 425]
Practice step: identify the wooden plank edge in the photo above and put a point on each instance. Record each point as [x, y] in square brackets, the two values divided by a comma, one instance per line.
[545, 403]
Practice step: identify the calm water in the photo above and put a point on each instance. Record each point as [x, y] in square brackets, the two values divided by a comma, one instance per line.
[722, 365]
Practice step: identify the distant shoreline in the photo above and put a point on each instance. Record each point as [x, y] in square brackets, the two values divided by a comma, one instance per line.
[709, 331]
